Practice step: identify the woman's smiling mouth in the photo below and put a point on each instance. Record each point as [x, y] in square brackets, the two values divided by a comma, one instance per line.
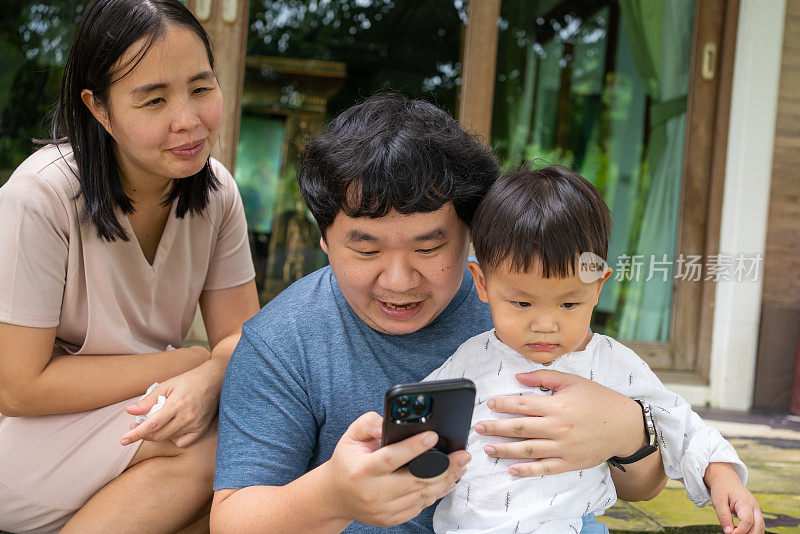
[189, 150]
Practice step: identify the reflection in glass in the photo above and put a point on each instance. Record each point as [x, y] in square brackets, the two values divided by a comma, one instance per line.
[306, 62]
[601, 87]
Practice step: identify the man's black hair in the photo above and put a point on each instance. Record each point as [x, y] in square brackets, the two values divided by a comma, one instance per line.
[548, 216]
[393, 153]
[106, 30]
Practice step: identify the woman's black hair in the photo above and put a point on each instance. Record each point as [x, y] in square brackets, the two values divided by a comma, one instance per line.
[393, 153]
[106, 31]
[550, 215]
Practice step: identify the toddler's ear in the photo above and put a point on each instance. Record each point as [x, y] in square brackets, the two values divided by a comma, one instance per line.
[480, 280]
[606, 276]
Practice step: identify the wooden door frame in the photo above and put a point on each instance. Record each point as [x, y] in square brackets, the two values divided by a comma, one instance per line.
[685, 357]
[479, 61]
[227, 32]
[708, 116]
[228, 35]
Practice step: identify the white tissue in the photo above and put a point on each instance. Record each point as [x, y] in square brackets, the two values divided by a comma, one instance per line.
[157, 406]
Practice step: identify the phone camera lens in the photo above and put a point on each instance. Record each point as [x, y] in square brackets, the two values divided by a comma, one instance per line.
[420, 403]
[403, 401]
[402, 413]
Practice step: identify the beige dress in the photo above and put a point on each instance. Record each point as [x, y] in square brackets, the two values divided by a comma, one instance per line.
[105, 298]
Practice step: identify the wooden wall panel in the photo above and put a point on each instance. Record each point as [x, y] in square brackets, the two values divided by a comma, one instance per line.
[782, 256]
[780, 309]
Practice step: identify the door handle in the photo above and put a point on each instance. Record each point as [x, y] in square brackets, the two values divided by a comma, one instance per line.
[709, 61]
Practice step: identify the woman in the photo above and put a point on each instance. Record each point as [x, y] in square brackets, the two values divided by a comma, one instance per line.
[111, 236]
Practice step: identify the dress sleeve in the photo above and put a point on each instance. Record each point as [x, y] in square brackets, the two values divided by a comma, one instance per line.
[231, 263]
[267, 428]
[34, 240]
[687, 443]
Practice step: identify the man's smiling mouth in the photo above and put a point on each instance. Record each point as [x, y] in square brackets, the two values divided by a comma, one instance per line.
[407, 306]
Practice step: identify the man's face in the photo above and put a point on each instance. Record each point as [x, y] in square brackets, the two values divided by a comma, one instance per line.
[398, 272]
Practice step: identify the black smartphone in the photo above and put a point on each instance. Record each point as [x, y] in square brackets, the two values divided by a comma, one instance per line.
[444, 406]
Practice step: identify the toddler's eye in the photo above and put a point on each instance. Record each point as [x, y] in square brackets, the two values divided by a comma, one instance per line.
[569, 305]
[519, 304]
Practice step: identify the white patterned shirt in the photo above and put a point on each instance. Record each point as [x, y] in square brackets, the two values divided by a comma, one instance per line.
[490, 500]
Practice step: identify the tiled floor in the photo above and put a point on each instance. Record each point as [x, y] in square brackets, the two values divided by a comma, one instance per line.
[768, 444]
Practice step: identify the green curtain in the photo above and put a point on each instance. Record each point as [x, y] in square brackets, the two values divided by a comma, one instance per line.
[661, 34]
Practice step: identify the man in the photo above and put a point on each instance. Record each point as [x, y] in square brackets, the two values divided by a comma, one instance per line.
[392, 184]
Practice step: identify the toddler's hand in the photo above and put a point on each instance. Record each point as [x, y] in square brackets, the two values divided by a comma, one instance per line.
[729, 496]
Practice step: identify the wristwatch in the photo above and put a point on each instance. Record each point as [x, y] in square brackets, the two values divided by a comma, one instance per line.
[652, 436]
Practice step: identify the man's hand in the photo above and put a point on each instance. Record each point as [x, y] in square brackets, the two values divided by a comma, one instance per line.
[370, 484]
[581, 425]
[728, 495]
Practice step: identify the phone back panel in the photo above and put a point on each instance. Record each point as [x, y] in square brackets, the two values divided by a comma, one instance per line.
[450, 413]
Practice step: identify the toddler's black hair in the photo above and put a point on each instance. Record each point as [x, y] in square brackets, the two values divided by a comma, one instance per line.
[548, 216]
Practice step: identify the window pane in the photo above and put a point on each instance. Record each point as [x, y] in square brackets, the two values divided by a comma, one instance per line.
[306, 62]
[601, 87]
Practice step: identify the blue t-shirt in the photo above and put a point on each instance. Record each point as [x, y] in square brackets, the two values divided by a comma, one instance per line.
[307, 367]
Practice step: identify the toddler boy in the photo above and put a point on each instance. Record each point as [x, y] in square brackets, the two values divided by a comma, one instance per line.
[531, 232]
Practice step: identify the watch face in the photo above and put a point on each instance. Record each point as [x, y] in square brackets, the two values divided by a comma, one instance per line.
[650, 426]
[647, 450]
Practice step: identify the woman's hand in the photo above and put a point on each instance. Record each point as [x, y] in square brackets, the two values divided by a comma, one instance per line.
[191, 405]
[580, 426]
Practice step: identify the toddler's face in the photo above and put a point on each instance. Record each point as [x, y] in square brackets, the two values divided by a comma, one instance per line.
[540, 318]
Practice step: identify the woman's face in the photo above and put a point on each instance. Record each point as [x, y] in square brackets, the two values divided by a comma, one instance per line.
[165, 114]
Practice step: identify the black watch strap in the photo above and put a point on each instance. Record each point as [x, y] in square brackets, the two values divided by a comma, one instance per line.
[647, 450]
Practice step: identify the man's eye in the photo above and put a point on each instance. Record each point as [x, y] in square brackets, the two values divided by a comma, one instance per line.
[519, 304]
[429, 250]
[155, 102]
[367, 252]
[201, 90]
[570, 305]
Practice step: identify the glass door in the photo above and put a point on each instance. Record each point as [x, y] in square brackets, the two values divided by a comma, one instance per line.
[628, 94]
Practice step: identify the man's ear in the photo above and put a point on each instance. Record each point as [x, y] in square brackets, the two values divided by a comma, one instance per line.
[97, 110]
[480, 280]
[323, 245]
